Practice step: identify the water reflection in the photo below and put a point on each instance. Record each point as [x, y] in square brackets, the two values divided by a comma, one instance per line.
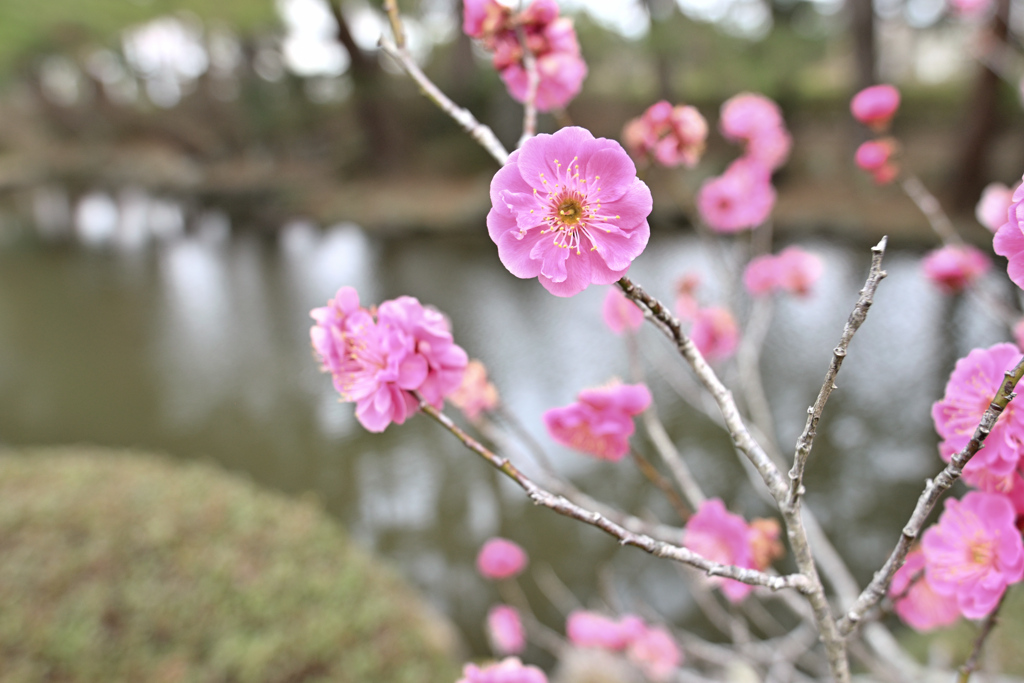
[199, 347]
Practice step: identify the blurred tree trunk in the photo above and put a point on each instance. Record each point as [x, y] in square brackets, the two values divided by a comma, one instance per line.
[383, 146]
[979, 124]
[862, 23]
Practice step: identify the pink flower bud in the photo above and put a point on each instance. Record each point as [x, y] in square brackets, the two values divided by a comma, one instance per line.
[994, 205]
[505, 630]
[620, 314]
[954, 267]
[873, 154]
[876, 105]
[500, 558]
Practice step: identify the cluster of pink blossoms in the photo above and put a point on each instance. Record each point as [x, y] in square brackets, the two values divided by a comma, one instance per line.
[672, 136]
[600, 422]
[377, 358]
[793, 270]
[550, 38]
[975, 551]
[652, 648]
[726, 538]
[874, 107]
[743, 196]
[955, 267]
[569, 210]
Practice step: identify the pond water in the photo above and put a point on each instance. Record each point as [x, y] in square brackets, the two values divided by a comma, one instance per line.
[198, 346]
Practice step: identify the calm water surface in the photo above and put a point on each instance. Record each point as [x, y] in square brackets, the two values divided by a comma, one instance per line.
[199, 348]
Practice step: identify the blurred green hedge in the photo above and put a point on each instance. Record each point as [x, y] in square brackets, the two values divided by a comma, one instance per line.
[127, 567]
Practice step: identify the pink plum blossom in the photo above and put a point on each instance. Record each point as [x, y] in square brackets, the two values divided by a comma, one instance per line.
[672, 135]
[994, 205]
[873, 155]
[756, 121]
[974, 552]
[620, 314]
[591, 629]
[715, 333]
[600, 422]
[376, 361]
[793, 270]
[550, 38]
[509, 670]
[971, 387]
[475, 395]
[569, 210]
[1009, 239]
[955, 267]
[875, 106]
[505, 630]
[921, 608]
[656, 653]
[500, 558]
[720, 536]
[739, 199]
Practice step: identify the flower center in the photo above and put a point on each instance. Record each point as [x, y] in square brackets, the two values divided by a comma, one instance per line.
[982, 552]
[570, 210]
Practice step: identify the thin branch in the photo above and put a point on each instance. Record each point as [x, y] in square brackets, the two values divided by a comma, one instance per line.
[664, 485]
[668, 452]
[835, 645]
[563, 506]
[391, 7]
[748, 360]
[932, 210]
[532, 84]
[964, 674]
[853, 323]
[771, 475]
[478, 131]
[933, 491]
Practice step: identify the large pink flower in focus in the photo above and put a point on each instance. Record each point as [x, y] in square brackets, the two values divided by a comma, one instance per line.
[994, 205]
[955, 267]
[739, 199]
[619, 313]
[505, 630]
[971, 387]
[377, 362]
[717, 534]
[715, 333]
[569, 210]
[591, 629]
[1009, 239]
[793, 270]
[974, 552]
[509, 670]
[601, 421]
[500, 558]
[921, 608]
[875, 106]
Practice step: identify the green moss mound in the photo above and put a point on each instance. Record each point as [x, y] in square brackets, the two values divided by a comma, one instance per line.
[126, 567]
